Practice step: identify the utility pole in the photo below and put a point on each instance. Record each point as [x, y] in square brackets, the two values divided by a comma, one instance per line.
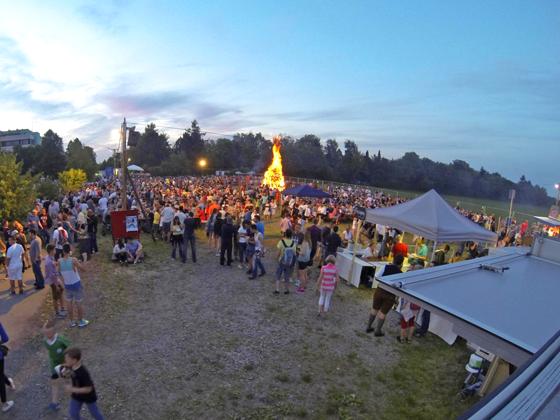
[124, 200]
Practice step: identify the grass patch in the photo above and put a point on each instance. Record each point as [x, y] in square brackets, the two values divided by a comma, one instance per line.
[422, 369]
[306, 378]
[282, 377]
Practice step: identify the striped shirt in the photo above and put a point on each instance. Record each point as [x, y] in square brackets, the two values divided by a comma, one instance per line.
[329, 272]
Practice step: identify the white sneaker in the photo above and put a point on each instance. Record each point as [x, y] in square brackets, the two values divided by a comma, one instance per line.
[7, 406]
[12, 384]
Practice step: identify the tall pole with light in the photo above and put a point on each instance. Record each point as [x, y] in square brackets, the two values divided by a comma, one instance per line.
[557, 186]
[124, 199]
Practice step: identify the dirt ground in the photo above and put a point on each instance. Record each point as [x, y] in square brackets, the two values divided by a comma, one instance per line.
[187, 341]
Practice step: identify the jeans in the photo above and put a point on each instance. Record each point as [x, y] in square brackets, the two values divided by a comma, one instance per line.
[284, 271]
[242, 247]
[190, 240]
[257, 263]
[178, 243]
[3, 381]
[76, 406]
[39, 279]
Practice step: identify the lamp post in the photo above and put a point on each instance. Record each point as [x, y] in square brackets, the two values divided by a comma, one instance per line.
[557, 186]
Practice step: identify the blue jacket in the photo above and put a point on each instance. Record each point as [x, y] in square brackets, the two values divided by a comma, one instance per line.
[3, 338]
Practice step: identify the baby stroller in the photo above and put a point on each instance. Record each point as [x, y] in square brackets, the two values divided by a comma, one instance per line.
[476, 369]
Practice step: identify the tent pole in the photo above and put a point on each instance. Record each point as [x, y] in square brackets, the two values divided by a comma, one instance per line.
[354, 255]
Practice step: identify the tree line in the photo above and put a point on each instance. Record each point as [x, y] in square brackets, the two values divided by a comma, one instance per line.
[309, 157]
[306, 157]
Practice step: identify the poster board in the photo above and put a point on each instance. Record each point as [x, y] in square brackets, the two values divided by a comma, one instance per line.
[125, 224]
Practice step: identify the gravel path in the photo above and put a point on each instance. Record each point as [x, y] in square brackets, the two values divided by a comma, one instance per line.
[185, 341]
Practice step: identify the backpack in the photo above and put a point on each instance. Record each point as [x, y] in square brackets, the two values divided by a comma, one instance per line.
[62, 237]
[288, 255]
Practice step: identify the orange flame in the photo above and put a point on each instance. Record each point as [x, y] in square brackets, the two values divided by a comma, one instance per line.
[273, 176]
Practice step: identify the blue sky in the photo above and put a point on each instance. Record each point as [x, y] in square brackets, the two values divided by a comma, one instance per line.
[476, 80]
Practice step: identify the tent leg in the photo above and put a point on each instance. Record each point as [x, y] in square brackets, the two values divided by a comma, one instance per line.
[433, 253]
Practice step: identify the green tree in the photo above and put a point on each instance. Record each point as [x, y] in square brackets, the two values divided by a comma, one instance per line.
[191, 142]
[152, 149]
[51, 159]
[48, 188]
[81, 157]
[17, 189]
[72, 180]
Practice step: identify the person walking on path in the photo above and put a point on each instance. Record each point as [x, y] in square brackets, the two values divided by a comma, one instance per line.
[227, 241]
[177, 239]
[189, 236]
[35, 256]
[82, 390]
[286, 261]
[74, 291]
[56, 345]
[53, 281]
[304, 261]
[14, 262]
[383, 300]
[326, 284]
[4, 380]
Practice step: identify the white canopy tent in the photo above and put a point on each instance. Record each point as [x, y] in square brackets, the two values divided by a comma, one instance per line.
[431, 217]
[135, 168]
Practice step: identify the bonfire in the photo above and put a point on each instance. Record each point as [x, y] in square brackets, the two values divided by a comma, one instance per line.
[273, 176]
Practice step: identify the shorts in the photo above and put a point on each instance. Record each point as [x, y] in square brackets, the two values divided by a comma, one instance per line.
[383, 300]
[407, 324]
[166, 227]
[74, 295]
[57, 291]
[15, 273]
[302, 265]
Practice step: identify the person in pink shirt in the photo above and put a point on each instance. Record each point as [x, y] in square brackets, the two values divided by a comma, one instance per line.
[326, 283]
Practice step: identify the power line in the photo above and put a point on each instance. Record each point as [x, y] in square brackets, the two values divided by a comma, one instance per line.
[185, 129]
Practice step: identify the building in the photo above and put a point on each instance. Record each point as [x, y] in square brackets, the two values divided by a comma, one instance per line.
[12, 138]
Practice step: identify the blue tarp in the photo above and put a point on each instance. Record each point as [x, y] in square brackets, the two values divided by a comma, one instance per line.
[306, 191]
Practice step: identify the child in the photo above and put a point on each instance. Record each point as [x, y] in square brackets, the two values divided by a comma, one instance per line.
[408, 311]
[82, 389]
[56, 345]
[327, 281]
[52, 279]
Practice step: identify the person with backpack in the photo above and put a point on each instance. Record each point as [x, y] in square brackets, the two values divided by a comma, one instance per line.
[286, 260]
[59, 239]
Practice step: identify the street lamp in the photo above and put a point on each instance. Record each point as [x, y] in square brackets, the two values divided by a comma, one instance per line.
[557, 186]
[202, 163]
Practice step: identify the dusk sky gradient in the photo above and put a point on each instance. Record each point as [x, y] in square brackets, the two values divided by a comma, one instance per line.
[477, 80]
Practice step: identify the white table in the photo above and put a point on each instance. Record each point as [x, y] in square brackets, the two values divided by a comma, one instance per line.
[344, 266]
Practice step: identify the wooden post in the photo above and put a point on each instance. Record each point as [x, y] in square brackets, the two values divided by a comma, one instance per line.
[124, 200]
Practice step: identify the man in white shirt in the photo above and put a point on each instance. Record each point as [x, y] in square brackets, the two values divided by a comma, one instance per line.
[14, 262]
[167, 214]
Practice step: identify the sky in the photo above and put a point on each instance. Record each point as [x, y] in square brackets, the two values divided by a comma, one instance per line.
[477, 81]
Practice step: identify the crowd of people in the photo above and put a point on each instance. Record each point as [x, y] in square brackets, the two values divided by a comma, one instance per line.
[59, 239]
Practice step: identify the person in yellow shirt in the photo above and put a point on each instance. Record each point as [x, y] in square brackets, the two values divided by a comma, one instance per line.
[155, 225]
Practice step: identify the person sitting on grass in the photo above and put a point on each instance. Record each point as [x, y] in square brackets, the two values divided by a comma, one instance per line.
[119, 252]
[135, 252]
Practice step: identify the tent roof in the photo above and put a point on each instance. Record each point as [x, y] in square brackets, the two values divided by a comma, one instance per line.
[549, 221]
[431, 217]
[306, 191]
[135, 168]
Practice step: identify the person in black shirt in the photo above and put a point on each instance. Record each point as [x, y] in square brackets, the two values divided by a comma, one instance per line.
[188, 235]
[227, 241]
[383, 300]
[82, 390]
[92, 231]
[333, 241]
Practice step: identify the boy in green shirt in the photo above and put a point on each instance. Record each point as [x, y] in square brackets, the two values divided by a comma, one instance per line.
[56, 345]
